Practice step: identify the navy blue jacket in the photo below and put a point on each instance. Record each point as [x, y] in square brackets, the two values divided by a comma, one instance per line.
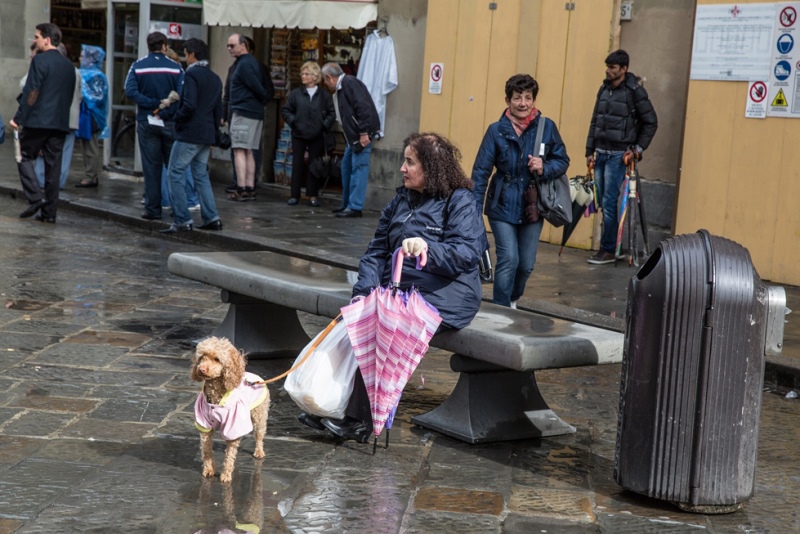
[248, 95]
[450, 280]
[150, 79]
[47, 96]
[504, 150]
[356, 110]
[199, 110]
[309, 118]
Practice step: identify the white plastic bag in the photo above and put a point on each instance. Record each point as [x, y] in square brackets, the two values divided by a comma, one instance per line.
[323, 384]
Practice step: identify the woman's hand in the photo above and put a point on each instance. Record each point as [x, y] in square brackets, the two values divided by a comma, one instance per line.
[414, 246]
[535, 165]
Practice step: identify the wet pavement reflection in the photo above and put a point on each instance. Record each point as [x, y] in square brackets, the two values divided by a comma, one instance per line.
[97, 433]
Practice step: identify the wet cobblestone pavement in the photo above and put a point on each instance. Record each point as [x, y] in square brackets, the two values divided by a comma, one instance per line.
[97, 433]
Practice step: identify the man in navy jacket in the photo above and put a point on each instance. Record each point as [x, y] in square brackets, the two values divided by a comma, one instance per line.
[149, 83]
[43, 114]
[197, 116]
[248, 96]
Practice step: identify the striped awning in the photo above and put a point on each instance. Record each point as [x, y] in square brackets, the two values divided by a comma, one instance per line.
[303, 14]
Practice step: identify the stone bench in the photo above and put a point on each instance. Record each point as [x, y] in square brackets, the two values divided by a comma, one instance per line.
[496, 397]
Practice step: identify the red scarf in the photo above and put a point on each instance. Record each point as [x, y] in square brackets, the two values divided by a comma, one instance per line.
[521, 125]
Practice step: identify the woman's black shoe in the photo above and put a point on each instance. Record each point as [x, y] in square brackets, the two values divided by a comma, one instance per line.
[349, 429]
[311, 421]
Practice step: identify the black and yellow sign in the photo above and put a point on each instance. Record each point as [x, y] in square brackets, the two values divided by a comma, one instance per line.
[780, 100]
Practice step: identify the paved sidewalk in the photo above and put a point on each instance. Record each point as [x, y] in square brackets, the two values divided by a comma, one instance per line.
[562, 286]
[96, 430]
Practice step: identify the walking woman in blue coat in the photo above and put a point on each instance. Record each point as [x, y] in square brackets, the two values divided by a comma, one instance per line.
[434, 211]
[508, 147]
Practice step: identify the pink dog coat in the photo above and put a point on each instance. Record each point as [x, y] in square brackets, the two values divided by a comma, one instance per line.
[231, 417]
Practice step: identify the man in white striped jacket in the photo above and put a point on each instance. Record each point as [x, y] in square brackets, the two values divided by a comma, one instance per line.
[150, 81]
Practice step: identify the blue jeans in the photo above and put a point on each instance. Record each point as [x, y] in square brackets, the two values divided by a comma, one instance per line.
[155, 145]
[66, 161]
[515, 246]
[191, 194]
[355, 174]
[194, 157]
[609, 172]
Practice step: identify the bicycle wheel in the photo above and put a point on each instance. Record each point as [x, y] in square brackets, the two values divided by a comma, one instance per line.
[124, 142]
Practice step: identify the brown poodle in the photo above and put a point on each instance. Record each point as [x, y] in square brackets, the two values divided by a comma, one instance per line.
[231, 401]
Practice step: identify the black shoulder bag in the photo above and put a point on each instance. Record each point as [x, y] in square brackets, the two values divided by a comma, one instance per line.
[555, 203]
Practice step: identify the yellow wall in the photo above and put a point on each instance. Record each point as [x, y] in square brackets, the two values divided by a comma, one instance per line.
[739, 177]
[481, 48]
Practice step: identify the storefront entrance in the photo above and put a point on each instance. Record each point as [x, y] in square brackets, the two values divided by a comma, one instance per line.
[130, 23]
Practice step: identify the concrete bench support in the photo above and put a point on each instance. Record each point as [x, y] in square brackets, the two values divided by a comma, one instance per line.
[492, 403]
[260, 328]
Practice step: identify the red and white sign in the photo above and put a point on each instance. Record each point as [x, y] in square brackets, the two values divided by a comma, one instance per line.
[174, 31]
[435, 78]
[756, 100]
[758, 91]
[788, 16]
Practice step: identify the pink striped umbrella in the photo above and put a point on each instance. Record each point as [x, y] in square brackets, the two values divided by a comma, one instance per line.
[390, 330]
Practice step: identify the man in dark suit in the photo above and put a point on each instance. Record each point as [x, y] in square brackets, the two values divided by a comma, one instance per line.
[198, 113]
[43, 119]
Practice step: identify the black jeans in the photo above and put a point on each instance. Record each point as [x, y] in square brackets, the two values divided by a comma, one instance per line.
[300, 169]
[51, 144]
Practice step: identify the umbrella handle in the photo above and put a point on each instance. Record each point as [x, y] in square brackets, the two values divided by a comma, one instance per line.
[397, 260]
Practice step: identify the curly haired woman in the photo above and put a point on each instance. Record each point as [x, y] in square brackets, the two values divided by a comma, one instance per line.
[435, 212]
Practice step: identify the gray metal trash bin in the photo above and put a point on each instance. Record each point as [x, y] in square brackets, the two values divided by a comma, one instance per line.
[699, 323]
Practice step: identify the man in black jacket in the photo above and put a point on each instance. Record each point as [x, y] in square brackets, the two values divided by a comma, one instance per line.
[248, 96]
[623, 124]
[266, 80]
[356, 112]
[197, 118]
[43, 114]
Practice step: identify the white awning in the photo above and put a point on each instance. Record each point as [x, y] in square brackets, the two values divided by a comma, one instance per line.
[303, 14]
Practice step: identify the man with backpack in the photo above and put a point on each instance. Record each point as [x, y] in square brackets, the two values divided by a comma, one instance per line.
[623, 124]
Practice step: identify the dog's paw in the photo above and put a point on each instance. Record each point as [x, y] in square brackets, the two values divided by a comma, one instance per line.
[208, 471]
[225, 477]
[259, 454]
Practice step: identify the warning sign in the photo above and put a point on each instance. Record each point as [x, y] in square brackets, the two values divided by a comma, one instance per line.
[756, 100]
[783, 96]
[780, 100]
[435, 79]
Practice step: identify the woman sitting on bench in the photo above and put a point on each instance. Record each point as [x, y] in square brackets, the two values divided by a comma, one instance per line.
[435, 212]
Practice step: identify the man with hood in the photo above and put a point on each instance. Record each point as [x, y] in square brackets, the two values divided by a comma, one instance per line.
[94, 112]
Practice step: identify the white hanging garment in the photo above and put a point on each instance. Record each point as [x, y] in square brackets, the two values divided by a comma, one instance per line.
[378, 70]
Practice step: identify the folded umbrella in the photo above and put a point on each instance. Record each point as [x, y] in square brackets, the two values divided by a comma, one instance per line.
[390, 330]
[582, 192]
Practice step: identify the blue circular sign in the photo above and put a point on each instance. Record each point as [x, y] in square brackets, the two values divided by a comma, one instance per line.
[782, 70]
[785, 43]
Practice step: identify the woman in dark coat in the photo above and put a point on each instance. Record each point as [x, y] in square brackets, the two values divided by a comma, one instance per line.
[310, 113]
[508, 147]
[435, 212]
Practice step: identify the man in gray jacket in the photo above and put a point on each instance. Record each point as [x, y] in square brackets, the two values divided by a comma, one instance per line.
[43, 117]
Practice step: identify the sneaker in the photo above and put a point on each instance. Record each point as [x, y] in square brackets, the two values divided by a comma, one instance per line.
[602, 258]
[513, 304]
[196, 207]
